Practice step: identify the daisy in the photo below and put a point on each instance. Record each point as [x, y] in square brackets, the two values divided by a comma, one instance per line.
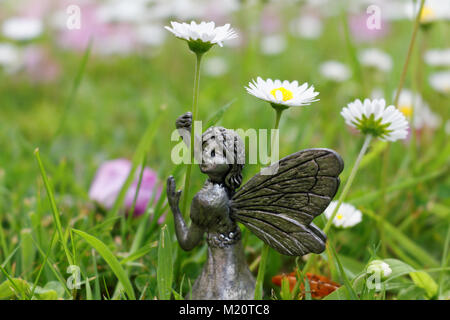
[307, 26]
[201, 37]
[346, 217]
[417, 110]
[22, 29]
[380, 267]
[375, 58]
[438, 57]
[282, 94]
[216, 67]
[440, 81]
[372, 117]
[10, 57]
[335, 71]
[273, 44]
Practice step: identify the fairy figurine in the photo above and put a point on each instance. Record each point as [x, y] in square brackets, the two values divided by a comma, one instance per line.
[278, 208]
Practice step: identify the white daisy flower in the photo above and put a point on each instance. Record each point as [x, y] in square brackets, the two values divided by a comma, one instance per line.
[335, 71]
[307, 26]
[273, 44]
[201, 37]
[380, 267]
[416, 109]
[282, 93]
[346, 217]
[374, 118]
[22, 29]
[440, 81]
[433, 10]
[438, 57]
[215, 67]
[10, 57]
[375, 58]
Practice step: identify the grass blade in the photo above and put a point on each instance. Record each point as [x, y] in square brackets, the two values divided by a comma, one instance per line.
[55, 210]
[74, 89]
[261, 272]
[111, 260]
[164, 272]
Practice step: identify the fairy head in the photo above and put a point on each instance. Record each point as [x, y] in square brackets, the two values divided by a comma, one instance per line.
[223, 156]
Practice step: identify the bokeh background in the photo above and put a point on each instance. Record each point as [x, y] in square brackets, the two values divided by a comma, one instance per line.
[83, 105]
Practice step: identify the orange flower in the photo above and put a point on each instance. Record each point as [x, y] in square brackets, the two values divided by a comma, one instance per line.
[320, 286]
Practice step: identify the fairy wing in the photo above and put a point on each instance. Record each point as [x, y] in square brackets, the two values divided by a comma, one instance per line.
[280, 208]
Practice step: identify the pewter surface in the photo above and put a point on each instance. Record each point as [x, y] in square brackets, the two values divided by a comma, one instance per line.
[278, 208]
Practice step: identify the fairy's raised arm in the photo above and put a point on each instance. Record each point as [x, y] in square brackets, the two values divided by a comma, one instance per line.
[188, 237]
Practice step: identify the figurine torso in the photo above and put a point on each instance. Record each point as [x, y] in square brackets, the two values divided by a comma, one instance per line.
[212, 208]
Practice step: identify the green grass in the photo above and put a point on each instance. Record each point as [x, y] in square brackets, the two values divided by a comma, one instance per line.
[105, 108]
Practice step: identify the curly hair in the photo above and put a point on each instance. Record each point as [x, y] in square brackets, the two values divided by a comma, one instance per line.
[234, 150]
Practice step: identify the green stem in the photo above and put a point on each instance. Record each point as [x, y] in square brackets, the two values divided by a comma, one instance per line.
[349, 181]
[409, 54]
[385, 162]
[261, 272]
[265, 249]
[344, 193]
[187, 180]
[278, 111]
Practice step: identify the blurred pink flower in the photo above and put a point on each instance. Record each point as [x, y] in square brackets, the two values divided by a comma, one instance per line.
[107, 37]
[270, 21]
[360, 31]
[109, 179]
[40, 65]
[36, 8]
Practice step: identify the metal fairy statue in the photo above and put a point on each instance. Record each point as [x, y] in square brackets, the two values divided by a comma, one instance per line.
[278, 208]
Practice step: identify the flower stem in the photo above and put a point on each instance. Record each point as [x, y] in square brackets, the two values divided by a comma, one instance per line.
[409, 54]
[385, 161]
[194, 118]
[278, 111]
[265, 249]
[344, 193]
[349, 181]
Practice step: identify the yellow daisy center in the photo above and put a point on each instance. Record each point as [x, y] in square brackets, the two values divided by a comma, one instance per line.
[287, 94]
[407, 110]
[339, 216]
[427, 14]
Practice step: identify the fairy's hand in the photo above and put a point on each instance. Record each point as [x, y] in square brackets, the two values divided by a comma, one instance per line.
[184, 121]
[173, 196]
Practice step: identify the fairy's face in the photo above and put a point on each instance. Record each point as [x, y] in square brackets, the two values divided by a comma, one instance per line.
[214, 161]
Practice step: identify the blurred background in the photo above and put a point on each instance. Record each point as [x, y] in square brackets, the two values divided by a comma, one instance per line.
[84, 106]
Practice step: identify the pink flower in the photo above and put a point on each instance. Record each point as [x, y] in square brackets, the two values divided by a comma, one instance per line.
[362, 33]
[40, 65]
[108, 38]
[110, 178]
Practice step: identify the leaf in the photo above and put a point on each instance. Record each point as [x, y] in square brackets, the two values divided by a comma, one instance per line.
[164, 275]
[177, 296]
[425, 281]
[9, 290]
[261, 271]
[28, 250]
[415, 250]
[399, 268]
[218, 115]
[139, 253]
[285, 292]
[55, 211]
[110, 259]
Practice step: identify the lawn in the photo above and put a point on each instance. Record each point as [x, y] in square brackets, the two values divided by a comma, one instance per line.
[75, 108]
